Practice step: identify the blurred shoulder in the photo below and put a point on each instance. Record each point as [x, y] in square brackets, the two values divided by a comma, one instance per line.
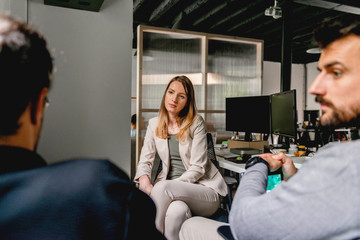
[86, 172]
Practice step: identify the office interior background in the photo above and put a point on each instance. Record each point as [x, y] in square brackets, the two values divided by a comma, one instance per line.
[94, 89]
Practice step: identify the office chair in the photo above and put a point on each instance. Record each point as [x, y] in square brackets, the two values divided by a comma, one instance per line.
[225, 232]
[157, 167]
[230, 181]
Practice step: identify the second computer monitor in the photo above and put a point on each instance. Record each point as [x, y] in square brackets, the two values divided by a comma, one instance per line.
[284, 114]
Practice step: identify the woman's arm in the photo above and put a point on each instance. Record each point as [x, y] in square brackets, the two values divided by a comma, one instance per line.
[147, 157]
[198, 153]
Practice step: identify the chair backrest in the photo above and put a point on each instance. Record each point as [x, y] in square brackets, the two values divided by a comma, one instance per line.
[210, 150]
[157, 167]
[225, 232]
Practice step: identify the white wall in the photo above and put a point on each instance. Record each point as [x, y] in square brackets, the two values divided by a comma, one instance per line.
[89, 115]
[311, 74]
[16, 8]
[271, 78]
[271, 82]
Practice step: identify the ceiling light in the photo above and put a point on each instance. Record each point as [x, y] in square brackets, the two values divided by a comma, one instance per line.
[314, 50]
[274, 11]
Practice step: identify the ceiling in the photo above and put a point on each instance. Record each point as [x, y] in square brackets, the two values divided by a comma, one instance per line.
[246, 18]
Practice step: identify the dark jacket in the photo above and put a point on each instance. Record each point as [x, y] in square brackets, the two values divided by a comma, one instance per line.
[77, 199]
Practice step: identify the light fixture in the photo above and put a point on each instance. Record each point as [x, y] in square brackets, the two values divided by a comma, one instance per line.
[274, 11]
[314, 50]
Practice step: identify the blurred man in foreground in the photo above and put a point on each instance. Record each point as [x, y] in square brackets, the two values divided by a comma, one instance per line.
[78, 199]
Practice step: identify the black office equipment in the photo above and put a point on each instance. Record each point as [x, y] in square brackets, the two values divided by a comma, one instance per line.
[248, 114]
[284, 114]
[284, 117]
[311, 116]
[225, 232]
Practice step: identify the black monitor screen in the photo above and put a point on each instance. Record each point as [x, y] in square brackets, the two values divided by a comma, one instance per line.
[311, 116]
[283, 113]
[248, 114]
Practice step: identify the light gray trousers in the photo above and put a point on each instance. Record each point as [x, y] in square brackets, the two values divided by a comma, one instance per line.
[177, 201]
[200, 228]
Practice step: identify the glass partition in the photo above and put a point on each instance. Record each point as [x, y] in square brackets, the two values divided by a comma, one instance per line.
[218, 66]
[165, 56]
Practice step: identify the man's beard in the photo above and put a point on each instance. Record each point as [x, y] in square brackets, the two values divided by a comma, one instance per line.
[338, 117]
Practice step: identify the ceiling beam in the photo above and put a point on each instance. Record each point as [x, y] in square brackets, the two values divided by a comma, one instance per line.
[245, 22]
[196, 5]
[137, 5]
[235, 14]
[179, 19]
[211, 13]
[162, 9]
[334, 5]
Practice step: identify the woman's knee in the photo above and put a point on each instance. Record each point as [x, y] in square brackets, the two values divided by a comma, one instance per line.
[177, 213]
[178, 210]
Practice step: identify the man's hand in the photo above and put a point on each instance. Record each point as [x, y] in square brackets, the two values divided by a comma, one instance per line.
[288, 167]
[274, 162]
[280, 160]
[145, 185]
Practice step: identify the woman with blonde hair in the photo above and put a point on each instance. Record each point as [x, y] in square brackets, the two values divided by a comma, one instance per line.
[188, 184]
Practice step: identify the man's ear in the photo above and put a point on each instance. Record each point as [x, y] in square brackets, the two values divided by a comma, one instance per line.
[38, 109]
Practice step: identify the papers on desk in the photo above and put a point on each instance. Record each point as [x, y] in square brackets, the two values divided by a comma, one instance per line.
[225, 153]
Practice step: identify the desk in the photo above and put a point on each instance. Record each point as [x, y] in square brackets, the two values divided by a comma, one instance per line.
[229, 165]
[240, 167]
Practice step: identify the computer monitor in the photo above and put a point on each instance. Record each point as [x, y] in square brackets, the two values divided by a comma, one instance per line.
[311, 116]
[248, 114]
[284, 114]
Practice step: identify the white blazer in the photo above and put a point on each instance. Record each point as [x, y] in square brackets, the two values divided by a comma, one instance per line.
[193, 153]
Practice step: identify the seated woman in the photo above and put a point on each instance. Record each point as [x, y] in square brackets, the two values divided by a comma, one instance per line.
[188, 184]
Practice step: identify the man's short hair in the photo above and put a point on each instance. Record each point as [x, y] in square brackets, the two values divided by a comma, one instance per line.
[133, 119]
[333, 29]
[25, 69]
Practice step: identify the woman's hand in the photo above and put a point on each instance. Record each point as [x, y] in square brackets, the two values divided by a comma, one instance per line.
[145, 184]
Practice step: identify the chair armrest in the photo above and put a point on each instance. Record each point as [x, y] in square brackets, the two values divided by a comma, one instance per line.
[225, 232]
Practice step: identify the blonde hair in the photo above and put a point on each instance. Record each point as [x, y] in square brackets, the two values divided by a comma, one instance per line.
[186, 116]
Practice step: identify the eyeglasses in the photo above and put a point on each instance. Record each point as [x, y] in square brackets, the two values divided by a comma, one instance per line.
[47, 102]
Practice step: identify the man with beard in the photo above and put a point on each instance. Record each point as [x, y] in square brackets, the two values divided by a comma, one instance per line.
[78, 199]
[322, 199]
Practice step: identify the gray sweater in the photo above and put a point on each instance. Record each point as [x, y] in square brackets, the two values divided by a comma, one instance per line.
[321, 201]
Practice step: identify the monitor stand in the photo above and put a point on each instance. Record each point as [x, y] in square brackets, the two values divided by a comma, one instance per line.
[284, 141]
[248, 137]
